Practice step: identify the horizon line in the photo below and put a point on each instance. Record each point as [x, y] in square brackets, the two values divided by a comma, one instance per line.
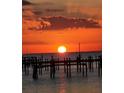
[59, 53]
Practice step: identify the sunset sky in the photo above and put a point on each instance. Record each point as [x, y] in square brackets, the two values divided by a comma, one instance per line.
[47, 24]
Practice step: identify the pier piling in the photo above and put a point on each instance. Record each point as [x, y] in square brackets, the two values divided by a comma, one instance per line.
[83, 65]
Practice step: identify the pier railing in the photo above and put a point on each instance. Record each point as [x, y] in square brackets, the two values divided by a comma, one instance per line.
[82, 64]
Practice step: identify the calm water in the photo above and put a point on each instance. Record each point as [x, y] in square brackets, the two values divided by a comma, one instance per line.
[61, 84]
[72, 55]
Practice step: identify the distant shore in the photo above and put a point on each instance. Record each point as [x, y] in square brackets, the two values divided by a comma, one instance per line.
[58, 53]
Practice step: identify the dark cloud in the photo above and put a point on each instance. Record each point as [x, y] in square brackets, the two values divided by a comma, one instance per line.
[59, 22]
[25, 2]
[47, 3]
[54, 10]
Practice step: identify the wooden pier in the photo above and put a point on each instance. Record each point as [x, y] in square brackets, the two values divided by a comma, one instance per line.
[83, 65]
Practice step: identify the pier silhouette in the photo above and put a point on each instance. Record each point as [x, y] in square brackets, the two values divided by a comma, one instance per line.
[40, 64]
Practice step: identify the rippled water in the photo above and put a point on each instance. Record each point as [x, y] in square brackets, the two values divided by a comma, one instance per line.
[61, 84]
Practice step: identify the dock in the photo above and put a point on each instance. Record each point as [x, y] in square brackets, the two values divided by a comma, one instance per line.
[40, 64]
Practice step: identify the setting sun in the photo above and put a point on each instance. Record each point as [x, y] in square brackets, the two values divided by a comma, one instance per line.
[61, 49]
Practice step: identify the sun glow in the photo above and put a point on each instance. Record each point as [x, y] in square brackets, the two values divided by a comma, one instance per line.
[61, 49]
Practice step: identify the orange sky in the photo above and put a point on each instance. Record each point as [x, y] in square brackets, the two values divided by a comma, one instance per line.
[34, 41]
[48, 41]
